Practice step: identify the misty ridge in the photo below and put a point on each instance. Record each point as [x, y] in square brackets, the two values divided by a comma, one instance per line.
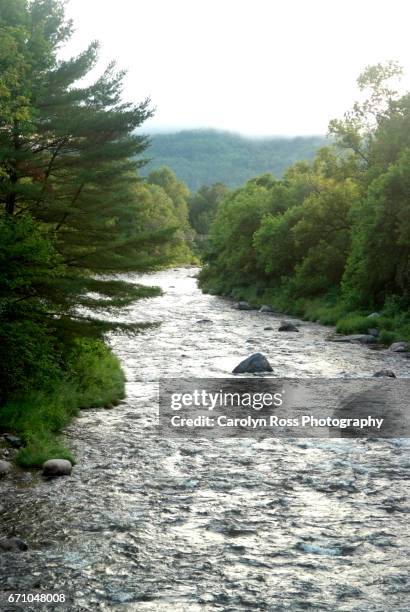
[206, 156]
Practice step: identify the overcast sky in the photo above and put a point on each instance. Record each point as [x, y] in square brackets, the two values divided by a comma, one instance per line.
[259, 67]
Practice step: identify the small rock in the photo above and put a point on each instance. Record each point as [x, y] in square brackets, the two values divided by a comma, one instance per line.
[255, 363]
[373, 315]
[57, 467]
[14, 441]
[12, 545]
[265, 308]
[244, 306]
[373, 332]
[287, 326]
[361, 338]
[204, 321]
[399, 347]
[268, 328]
[5, 468]
[382, 373]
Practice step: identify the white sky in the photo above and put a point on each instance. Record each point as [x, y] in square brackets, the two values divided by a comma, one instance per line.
[258, 67]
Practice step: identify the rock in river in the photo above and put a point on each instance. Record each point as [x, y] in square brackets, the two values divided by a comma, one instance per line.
[5, 468]
[57, 467]
[399, 347]
[287, 326]
[373, 332]
[265, 308]
[254, 363]
[14, 441]
[382, 373]
[360, 338]
[244, 306]
[12, 545]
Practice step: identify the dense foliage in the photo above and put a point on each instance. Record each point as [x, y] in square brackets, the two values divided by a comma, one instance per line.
[72, 208]
[203, 206]
[204, 157]
[331, 239]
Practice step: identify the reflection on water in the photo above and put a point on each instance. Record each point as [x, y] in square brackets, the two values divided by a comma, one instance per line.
[147, 523]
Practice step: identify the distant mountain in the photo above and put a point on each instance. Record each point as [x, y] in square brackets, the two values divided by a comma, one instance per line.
[203, 157]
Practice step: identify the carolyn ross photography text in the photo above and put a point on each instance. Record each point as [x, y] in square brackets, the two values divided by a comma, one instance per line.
[275, 421]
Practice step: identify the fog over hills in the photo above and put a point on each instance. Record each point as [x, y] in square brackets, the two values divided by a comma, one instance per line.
[205, 156]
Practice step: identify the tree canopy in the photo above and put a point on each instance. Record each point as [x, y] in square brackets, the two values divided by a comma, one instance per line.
[335, 228]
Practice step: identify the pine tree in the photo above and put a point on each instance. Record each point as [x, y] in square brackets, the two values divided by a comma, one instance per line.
[73, 211]
[69, 156]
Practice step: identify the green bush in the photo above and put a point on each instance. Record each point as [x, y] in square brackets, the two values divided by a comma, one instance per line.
[93, 377]
[388, 337]
[354, 323]
[96, 373]
[40, 447]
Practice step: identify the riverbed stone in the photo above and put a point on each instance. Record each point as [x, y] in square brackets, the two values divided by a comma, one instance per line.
[254, 363]
[244, 306]
[57, 467]
[14, 441]
[287, 326]
[373, 332]
[384, 373]
[5, 468]
[266, 308]
[399, 347]
[12, 545]
[373, 315]
[360, 338]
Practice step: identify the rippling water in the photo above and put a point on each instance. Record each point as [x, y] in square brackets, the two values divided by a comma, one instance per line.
[152, 524]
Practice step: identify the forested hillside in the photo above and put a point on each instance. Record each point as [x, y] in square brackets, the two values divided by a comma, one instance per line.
[204, 157]
[331, 239]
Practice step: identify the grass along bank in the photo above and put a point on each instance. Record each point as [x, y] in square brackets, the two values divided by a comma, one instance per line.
[92, 377]
[392, 322]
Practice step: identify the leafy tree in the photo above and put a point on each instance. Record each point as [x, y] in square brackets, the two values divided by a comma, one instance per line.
[379, 263]
[356, 131]
[203, 206]
[178, 193]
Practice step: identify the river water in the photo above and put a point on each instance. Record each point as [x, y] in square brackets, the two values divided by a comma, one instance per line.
[146, 523]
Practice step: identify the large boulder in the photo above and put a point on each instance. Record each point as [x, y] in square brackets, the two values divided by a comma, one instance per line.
[5, 468]
[265, 308]
[12, 545]
[57, 467]
[360, 338]
[287, 326]
[384, 373]
[255, 363]
[244, 306]
[399, 347]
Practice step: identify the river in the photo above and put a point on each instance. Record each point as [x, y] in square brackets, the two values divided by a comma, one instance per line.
[152, 524]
